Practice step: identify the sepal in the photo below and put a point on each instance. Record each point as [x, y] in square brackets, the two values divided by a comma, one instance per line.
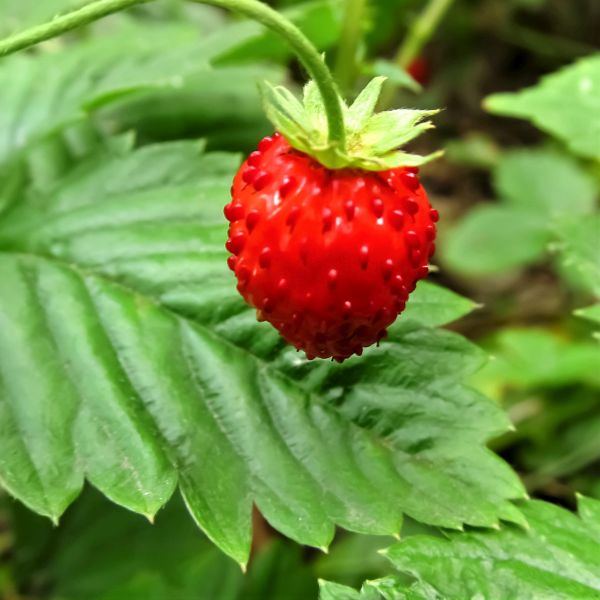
[373, 140]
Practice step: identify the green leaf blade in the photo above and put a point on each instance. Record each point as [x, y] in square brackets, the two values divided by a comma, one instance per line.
[195, 391]
[543, 180]
[556, 557]
[565, 104]
[492, 240]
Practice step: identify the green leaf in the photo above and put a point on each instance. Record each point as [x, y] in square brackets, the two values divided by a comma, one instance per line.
[18, 14]
[319, 20]
[151, 371]
[103, 553]
[539, 188]
[558, 557]
[389, 588]
[222, 105]
[579, 249]
[385, 392]
[87, 77]
[536, 357]
[335, 591]
[589, 511]
[41, 93]
[591, 313]
[394, 73]
[353, 558]
[544, 181]
[495, 239]
[565, 104]
[433, 305]
[476, 150]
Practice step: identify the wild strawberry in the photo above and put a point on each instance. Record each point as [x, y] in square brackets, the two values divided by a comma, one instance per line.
[419, 70]
[328, 255]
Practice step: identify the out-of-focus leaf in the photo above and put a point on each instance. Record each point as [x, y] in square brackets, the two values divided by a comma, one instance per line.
[221, 105]
[547, 182]
[18, 14]
[536, 357]
[579, 249]
[151, 371]
[573, 447]
[394, 73]
[495, 239]
[354, 558]
[319, 20]
[592, 313]
[537, 188]
[103, 553]
[39, 94]
[474, 150]
[565, 104]
[280, 571]
[558, 557]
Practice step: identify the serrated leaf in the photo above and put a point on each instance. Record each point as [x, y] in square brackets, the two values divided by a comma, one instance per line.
[495, 239]
[389, 588]
[579, 249]
[384, 392]
[558, 557]
[434, 305]
[565, 104]
[150, 369]
[550, 183]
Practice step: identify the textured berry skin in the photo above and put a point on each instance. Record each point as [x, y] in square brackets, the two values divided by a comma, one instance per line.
[327, 257]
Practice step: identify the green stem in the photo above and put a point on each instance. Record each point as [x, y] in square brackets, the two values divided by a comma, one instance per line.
[254, 9]
[59, 25]
[345, 59]
[420, 33]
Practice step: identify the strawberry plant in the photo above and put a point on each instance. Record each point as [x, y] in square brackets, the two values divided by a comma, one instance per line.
[260, 338]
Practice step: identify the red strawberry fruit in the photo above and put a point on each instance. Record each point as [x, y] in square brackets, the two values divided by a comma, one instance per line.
[328, 246]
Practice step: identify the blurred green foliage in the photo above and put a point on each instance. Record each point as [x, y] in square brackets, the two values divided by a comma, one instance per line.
[518, 192]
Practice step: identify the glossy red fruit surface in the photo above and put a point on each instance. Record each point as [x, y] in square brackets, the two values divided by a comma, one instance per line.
[328, 257]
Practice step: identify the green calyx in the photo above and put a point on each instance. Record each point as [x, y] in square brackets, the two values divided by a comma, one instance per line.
[373, 140]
